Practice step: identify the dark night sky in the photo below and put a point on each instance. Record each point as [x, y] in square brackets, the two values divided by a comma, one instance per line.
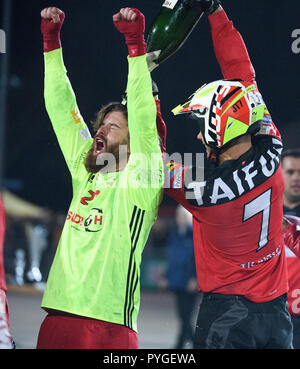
[95, 56]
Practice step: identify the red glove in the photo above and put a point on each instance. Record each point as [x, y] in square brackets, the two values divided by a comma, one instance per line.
[52, 21]
[131, 22]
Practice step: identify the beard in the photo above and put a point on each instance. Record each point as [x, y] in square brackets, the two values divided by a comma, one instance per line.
[107, 161]
[90, 162]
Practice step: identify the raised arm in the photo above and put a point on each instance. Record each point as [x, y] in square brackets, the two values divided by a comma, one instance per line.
[140, 102]
[145, 161]
[72, 133]
[229, 48]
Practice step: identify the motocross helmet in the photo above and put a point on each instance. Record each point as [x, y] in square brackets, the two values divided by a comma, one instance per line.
[225, 110]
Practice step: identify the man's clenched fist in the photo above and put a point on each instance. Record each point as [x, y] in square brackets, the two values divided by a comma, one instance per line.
[125, 14]
[52, 13]
[52, 20]
[131, 22]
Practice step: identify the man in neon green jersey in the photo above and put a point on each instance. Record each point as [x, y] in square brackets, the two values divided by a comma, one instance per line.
[92, 294]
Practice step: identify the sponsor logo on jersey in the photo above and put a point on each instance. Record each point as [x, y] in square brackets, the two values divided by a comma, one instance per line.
[92, 223]
[233, 182]
[85, 134]
[76, 116]
[264, 259]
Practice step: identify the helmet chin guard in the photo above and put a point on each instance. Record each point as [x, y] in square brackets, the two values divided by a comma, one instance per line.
[225, 109]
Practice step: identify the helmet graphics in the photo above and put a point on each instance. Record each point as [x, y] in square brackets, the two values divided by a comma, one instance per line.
[225, 110]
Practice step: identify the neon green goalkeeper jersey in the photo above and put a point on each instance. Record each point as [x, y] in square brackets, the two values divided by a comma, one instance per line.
[96, 269]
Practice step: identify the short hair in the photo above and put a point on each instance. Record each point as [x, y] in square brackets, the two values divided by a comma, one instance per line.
[294, 153]
[108, 108]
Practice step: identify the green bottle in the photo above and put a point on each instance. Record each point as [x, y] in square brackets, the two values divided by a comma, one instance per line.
[170, 29]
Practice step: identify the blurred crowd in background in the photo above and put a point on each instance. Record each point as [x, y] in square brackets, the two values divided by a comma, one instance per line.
[33, 233]
[32, 237]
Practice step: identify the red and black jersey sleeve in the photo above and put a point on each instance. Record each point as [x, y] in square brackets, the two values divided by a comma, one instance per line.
[230, 49]
[234, 60]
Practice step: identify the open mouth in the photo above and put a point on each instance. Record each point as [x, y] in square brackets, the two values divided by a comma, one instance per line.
[99, 146]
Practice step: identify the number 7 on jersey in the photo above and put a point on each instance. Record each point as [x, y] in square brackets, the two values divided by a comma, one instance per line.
[260, 204]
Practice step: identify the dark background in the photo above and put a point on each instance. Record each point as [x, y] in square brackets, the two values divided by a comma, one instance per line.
[95, 57]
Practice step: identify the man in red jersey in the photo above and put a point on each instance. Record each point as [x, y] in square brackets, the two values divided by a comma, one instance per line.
[291, 208]
[5, 337]
[236, 203]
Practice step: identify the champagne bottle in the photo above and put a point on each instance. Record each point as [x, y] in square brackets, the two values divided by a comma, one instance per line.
[170, 29]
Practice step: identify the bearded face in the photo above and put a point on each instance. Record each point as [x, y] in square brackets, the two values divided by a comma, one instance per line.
[111, 134]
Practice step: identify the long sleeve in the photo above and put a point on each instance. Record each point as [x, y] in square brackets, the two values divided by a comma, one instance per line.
[141, 108]
[72, 133]
[145, 161]
[230, 49]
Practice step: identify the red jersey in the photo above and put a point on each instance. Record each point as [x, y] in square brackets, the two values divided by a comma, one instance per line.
[2, 233]
[237, 206]
[293, 265]
[292, 242]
